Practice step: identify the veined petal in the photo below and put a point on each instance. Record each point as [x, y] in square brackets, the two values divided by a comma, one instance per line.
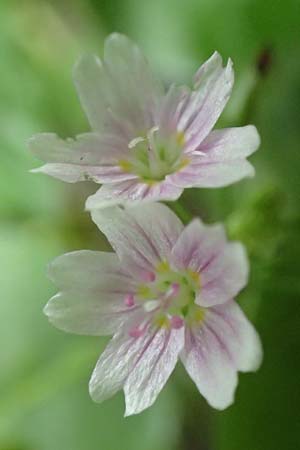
[73, 174]
[136, 91]
[171, 109]
[91, 270]
[210, 366]
[114, 365]
[92, 86]
[83, 312]
[132, 192]
[213, 85]
[229, 144]
[140, 236]
[211, 174]
[198, 245]
[224, 343]
[89, 156]
[93, 287]
[240, 335]
[224, 276]
[220, 159]
[151, 371]
[123, 84]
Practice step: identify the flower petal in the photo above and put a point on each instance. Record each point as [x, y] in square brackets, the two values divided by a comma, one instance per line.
[242, 339]
[89, 156]
[229, 144]
[90, 270]
[224, 276]
[93, 287]
[152, 369]
[224, 343]
[82, 312]
[136, 91]
[209, 365]
[123, 84]
[141, 236]
[92, 86]
[114, 365]
[212, 175]
[213, 85]
[197, 245]
[132, 192]
[219, 160]
[172, 106]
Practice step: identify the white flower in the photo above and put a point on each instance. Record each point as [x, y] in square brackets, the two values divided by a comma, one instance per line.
[167, 294]
[148, 144]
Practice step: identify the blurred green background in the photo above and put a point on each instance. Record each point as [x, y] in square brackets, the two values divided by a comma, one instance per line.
[44, 402]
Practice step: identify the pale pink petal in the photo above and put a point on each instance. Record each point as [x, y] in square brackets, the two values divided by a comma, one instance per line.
[72, 173]
[228, 144]
[198, 245]
[123, 84]
[91, 270]
[237, 331]
[208, 363]
[220, 159]
[115, 364]
[132, 191]
[213, 84]
[215, 349]
[93, 288]
[152, 369]
[83, 312]
[94, 87]
[211, 174]
[224, 276]
[141, 236]
[171, 109]
[136, 92]
[89, 156]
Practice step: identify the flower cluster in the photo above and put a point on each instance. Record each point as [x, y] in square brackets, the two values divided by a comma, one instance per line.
[167, 293]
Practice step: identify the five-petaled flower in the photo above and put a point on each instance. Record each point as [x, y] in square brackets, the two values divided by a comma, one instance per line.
[167, 294]
[148, 144]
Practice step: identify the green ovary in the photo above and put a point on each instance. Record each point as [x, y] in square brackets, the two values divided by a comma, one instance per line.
[152, 159]
[176, 293]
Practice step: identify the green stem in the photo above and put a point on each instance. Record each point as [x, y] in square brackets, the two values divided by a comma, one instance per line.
[184, 214]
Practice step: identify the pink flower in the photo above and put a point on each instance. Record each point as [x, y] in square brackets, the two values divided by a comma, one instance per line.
[148, 144]
[166, 294]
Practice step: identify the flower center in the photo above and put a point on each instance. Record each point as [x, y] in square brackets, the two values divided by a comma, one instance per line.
[170, 296]
[152, 157]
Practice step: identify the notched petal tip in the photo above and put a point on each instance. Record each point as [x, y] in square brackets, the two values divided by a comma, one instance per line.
[254, 137]
[36, 142]
[250, 173]
[37, 170]
[46, 310]
[94, 203]
[224, 405]
[84, 62]
[92, 389]
[50, 310]
[117, 37]
[257, 356]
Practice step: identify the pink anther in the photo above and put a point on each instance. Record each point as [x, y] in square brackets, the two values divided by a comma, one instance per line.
[177, 322]
[136, 332]
[149, 276]
[129, 300]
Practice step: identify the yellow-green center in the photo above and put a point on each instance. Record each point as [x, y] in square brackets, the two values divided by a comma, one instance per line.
[171, 295]
[152, 157]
